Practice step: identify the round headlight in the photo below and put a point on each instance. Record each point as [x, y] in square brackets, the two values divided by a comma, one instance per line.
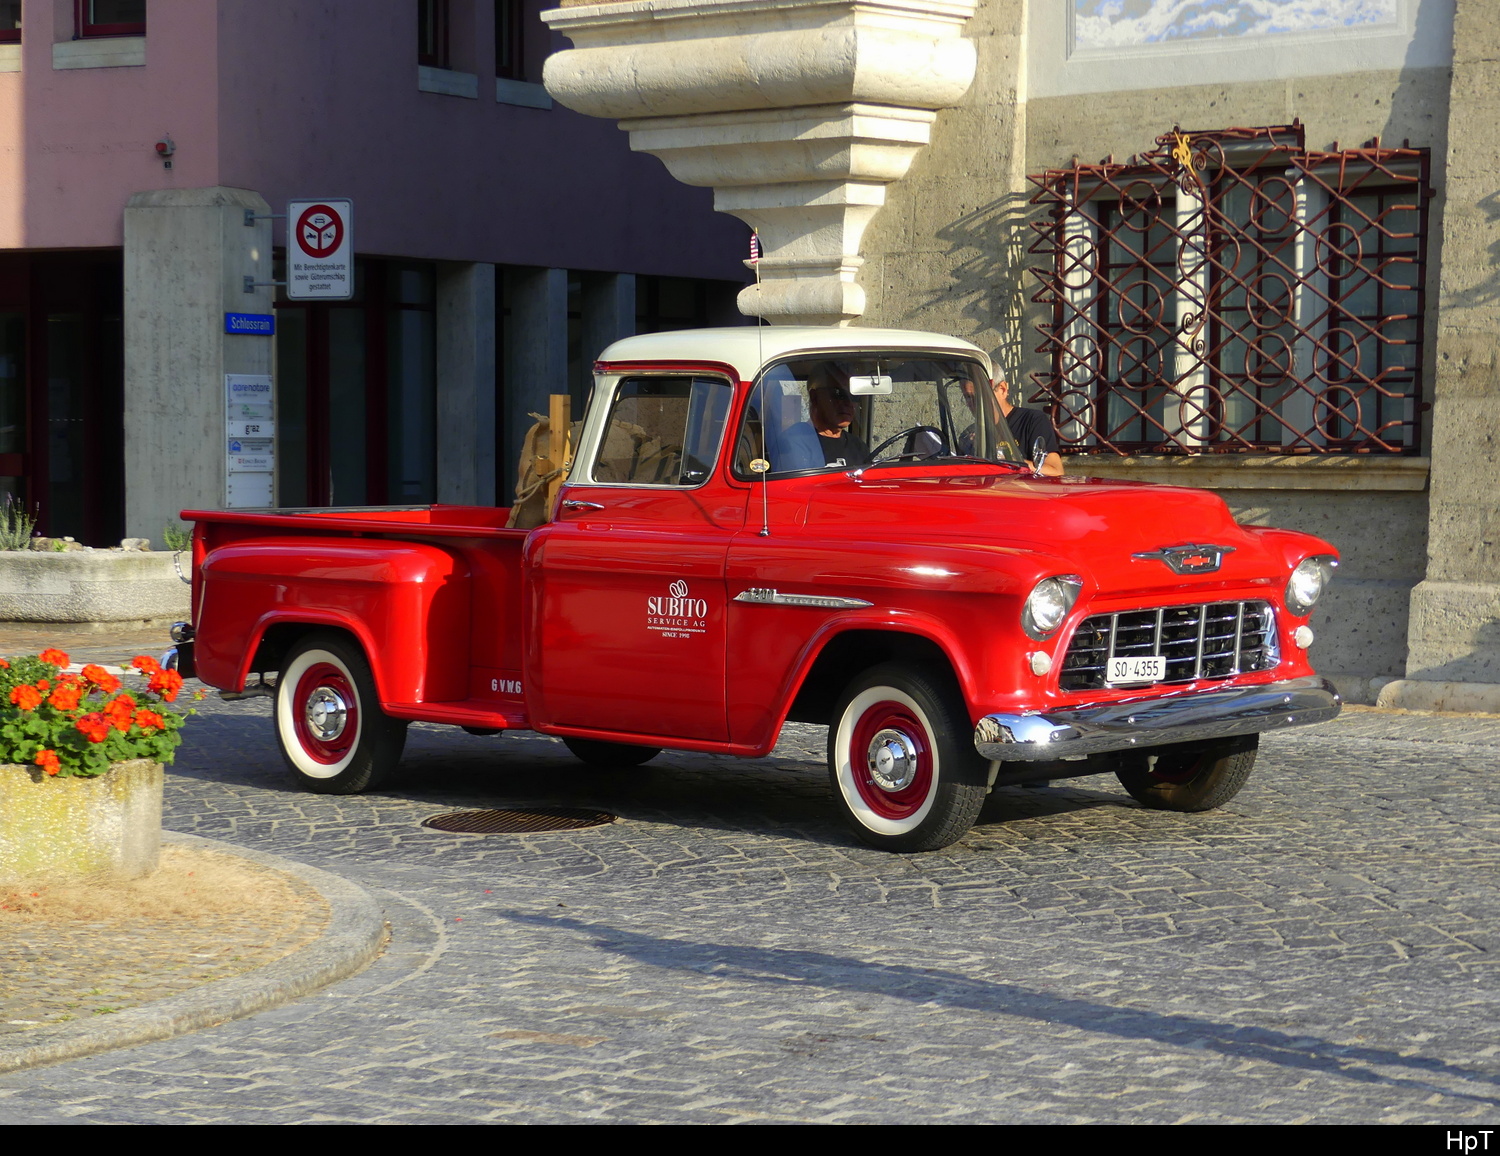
[1307, 583]
[1048, 604]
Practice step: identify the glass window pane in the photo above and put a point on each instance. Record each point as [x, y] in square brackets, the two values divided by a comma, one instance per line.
[66, 410]
[291, 407]
[411, 420]
[346, 407]
[12, 384]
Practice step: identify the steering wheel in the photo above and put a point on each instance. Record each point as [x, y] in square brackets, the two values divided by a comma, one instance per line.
[910, 432]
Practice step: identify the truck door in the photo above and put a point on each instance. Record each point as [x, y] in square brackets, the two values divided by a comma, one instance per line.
[628, 590]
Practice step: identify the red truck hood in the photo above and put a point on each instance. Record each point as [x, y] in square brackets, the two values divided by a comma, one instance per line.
[1091, 520]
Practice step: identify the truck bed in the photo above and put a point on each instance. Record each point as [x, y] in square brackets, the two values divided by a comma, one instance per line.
[432, 594]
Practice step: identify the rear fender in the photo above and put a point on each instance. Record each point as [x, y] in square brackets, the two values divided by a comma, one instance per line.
[407, 604]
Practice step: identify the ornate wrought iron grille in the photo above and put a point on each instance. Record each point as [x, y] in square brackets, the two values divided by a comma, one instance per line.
[1232, 291]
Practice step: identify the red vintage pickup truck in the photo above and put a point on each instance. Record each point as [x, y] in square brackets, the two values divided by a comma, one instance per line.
[764, 524]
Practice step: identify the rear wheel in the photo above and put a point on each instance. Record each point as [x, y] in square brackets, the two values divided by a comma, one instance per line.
[1189, 776]
[901, 761]
[602, 754]
[328, 719]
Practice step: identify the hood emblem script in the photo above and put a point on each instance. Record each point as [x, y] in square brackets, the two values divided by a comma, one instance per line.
[1190, 559]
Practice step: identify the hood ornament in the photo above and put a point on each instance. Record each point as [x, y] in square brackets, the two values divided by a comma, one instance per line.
[1190, 559]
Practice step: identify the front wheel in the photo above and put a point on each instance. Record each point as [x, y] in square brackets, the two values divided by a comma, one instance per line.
[333, 734]
[1189, 776]
[901, 762]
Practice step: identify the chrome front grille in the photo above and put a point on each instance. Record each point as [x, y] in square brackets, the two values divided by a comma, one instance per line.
[1213, 640]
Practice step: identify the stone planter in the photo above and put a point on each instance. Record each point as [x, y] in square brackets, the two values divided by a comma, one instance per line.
[71, 828]
[91, 586]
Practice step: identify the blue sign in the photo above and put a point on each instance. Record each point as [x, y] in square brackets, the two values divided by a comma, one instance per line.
[263, 324]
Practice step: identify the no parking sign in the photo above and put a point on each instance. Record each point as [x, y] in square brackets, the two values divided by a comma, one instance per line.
[320, 250]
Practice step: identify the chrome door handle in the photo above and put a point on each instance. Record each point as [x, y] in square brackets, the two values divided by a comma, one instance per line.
[577, 504]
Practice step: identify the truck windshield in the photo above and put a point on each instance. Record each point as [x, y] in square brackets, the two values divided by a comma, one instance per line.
[846, 412]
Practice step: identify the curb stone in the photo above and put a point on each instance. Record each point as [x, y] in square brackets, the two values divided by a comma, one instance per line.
[1450, 697]
[355, 935]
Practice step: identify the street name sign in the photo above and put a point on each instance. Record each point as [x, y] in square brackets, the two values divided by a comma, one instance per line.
[261, 324]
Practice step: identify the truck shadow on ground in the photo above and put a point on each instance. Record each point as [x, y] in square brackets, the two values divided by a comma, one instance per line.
[774, 795]
[814, 970]
[443, 767]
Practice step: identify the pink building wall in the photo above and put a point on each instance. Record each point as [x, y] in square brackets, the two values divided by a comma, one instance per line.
[306, 98]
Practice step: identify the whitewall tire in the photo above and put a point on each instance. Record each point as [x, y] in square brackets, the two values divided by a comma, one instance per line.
[333, 735]
[901, 760]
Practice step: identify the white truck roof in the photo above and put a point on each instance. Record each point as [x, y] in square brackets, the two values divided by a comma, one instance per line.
[749, 348]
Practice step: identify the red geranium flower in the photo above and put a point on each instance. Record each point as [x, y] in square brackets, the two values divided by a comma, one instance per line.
[26, 697]
[94, 727]
[48, 761]
[149, 719]
[120, 712]
[54, 656]
[67, 696]
[145, 664]
[101, 678]
[166, 683]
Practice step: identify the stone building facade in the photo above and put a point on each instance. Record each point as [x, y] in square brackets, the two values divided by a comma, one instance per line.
[1254, 251]
[148, 149]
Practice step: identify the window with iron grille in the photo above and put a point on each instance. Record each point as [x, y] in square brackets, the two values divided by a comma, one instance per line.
[1231, 291]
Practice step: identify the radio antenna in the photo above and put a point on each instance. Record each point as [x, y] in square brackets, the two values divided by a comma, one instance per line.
[760, 465]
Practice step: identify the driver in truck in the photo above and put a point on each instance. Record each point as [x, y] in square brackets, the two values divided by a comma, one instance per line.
[832, 409]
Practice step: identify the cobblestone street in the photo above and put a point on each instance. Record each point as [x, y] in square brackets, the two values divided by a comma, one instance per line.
[1321, 950]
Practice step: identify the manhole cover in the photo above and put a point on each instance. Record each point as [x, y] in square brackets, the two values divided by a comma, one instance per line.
[514, 822]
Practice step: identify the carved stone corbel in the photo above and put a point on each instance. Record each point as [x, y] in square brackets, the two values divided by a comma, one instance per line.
[798, 113]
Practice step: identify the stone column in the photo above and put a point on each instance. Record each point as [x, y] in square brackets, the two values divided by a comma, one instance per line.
[1453, 659]
[187, 253]
[798, 113]
[536, 356]
[466, 383]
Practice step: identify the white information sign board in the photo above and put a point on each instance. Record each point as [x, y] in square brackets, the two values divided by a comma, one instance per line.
[320, 250]
[249, 443]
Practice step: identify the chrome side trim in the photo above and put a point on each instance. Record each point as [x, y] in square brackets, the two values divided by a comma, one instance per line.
[766, 597]
[1184, 717]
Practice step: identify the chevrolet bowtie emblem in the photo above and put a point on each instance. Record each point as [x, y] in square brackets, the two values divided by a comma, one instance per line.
[1190, 559]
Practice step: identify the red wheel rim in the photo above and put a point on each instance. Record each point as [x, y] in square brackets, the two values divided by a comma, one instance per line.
[891, 718]
[321, 683]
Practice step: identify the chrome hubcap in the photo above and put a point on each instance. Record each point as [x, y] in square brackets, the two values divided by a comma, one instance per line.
[892, 760]
[327, 713]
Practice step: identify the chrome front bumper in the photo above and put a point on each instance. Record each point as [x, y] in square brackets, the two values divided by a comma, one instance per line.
[1184, 717]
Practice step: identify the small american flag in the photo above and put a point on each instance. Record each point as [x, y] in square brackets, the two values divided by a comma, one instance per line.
[754, 248]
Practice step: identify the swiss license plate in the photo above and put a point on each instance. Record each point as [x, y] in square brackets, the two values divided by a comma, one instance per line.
[1140, 668]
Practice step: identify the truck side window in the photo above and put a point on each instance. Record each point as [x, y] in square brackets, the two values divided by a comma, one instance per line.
[663, 431]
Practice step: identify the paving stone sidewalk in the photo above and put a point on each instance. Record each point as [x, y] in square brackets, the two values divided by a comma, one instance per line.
[1321, 950]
